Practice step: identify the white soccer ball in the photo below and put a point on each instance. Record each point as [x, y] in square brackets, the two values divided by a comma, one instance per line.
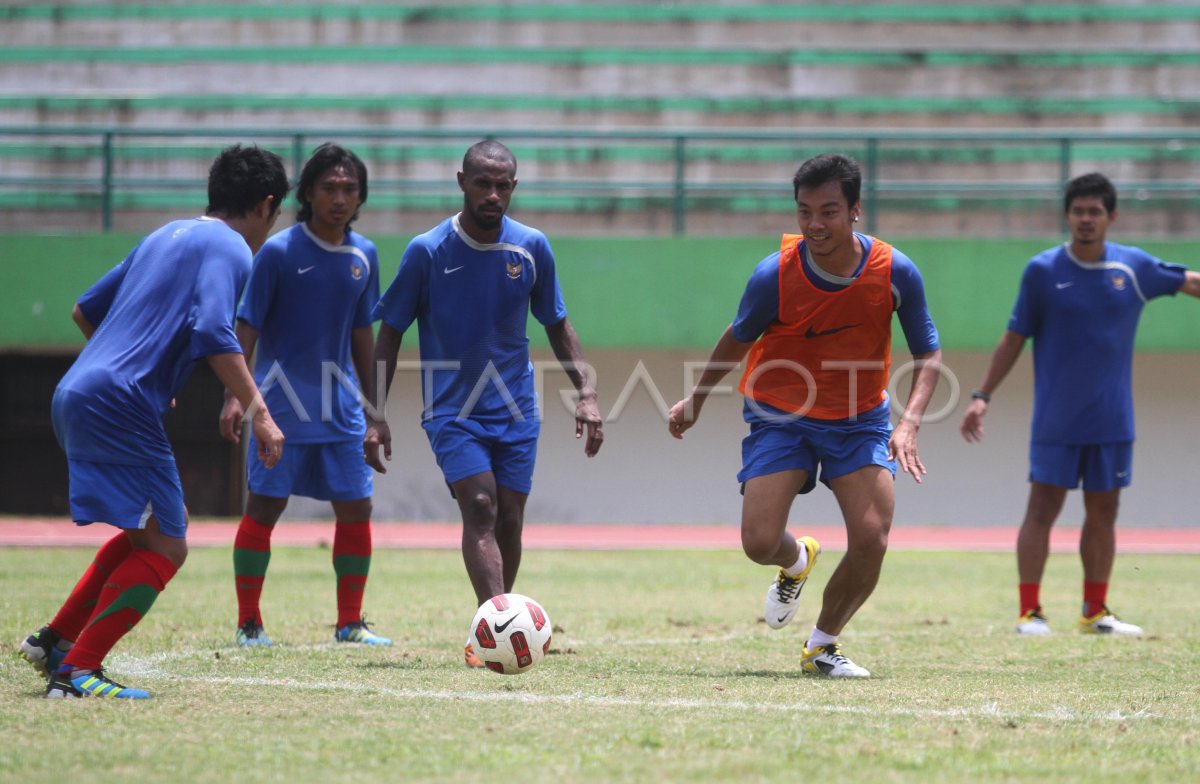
[510, 633]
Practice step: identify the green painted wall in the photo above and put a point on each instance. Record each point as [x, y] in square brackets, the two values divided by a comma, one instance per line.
[621, 293]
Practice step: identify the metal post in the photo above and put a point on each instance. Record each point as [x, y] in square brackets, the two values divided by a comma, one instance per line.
[1064, 175]
[106, 183]
[297, 156]
[680, 186]
[872, 197]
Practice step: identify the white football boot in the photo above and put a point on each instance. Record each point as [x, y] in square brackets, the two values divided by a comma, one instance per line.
[783, 597]
[1033, 623]
[1104, 622]
[828, 660]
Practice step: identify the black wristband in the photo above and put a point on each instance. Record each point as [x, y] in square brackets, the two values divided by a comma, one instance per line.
[979, 394]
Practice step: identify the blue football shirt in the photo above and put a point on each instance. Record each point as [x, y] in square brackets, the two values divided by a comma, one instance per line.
[169, 304]
[305, 297]
[471, 302]
[1082, 318]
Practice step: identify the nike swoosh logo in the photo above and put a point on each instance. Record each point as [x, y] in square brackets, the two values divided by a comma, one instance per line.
[783, 618]
[1064, 285]
[500, 627]
[812, 333]
[448, 270]
[1122, 474]
[303, 270]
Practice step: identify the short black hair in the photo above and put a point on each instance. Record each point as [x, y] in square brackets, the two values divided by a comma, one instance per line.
[324, 158]
[241, 177]
[488, 149]
[834, 167]
[1092, 184]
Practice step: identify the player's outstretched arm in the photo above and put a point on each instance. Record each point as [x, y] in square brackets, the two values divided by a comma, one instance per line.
[725, 356]
[232, 371]
[1003, 359]
[377, 384]
[565, 344]
[1191, 284]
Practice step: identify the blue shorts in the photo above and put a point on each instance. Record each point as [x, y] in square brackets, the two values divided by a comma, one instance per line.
[1102, 467]
[331, 471]
[465, 447]
[788, 443]
[126, 496]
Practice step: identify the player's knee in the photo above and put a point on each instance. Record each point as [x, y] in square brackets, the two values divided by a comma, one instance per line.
[1038, 517]
[510, 522]
[1098, 519]
[1101, 509]
[479, 508]
[353, 511]
[758, 547]
[174, 549]
[265, 510]
[179, 554]
[869, 547]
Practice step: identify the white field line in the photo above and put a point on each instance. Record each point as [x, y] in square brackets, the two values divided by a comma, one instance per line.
[151, 667]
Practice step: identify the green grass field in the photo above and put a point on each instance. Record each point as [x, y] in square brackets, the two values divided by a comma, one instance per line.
[662, 671]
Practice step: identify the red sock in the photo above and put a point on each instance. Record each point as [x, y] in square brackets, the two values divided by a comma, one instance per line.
[1029, 596]
[251, 554]
[126, 597]
[80, 605]
[351, 562]
[1094, 597]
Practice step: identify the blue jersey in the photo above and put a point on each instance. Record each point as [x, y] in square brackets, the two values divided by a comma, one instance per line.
[471, 302]
[760, 301]
[1082, 318]
[305, 297]
[168, 304]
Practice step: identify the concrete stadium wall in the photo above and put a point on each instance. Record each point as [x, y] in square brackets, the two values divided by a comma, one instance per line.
[642, 475]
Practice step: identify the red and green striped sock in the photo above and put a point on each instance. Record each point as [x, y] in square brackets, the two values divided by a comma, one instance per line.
[80, 605]
[127, 595]
[351, 562]
[251, 555]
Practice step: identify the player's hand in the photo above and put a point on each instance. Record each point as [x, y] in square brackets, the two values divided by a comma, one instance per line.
[230, 422]
[587, 415]
[378, 435]
[972, 424]
[902, 447]
[681, 417]
[269, 438]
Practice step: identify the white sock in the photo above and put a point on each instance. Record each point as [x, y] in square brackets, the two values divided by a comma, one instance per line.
[819, 639]
[801, 562]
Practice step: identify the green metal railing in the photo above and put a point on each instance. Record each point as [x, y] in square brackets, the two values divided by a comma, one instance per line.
[98, 168]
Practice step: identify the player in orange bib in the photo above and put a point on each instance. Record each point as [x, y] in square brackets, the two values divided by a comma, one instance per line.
[814, 326]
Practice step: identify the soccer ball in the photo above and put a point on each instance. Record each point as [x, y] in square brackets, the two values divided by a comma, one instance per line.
[510, 633]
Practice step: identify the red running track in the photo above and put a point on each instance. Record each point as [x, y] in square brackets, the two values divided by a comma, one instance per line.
[47, 532]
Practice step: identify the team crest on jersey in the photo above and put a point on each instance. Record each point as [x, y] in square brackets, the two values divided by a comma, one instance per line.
[514, 268]
[1118, 281]
[356, 271]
